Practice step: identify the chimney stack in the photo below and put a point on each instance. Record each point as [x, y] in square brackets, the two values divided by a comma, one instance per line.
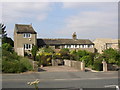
[74, 36]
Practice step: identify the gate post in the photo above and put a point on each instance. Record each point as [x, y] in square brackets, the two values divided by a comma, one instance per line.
[104, 66]
[53, 62]
[83, 66]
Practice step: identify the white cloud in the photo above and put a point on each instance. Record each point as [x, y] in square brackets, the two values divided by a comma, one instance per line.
[23, 13]
[24, 9]
[84, 5]
[92, 24]
[93, 20]
[41, 17]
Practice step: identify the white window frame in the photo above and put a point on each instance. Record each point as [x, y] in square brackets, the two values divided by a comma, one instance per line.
[65, 46]
[29, 46]
[27, 35]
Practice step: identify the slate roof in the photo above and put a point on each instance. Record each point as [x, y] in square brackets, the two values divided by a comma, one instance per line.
[41, 42]
[24, 28]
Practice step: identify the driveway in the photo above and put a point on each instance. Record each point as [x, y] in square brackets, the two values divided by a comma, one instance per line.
[58, 69]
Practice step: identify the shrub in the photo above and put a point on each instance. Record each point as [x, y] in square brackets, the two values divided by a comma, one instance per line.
[26, 64]
[34, 51]
[16, 66]
[7, 47]
[12, 63]
[88, 60]
[10, 56]
[111, 56]
[12, 67]
[98, 65]
[65, 54]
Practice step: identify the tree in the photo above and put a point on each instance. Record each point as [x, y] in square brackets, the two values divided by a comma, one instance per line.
[8, 40]
[3, 32]
[7, 47]
[111, 55]
[5, 39]
[34, 52]
[48, 49]
[65, 53]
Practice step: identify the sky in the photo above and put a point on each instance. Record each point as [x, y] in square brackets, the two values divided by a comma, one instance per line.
[90, 20]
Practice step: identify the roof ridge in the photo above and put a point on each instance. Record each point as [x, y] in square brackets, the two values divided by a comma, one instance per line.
[23, 24]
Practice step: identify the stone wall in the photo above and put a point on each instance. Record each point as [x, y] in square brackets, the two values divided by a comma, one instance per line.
[75, 64]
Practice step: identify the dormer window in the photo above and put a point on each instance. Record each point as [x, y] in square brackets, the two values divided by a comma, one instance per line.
[27, 35]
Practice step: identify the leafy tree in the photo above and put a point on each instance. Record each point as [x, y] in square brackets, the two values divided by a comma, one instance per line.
[111, 56]
[8, 40]
[82, 53]
[5, 39]
[65, 53]
[73, 55]
[3, 32]
[7, 47]
[34, 52]
[89, 59]
[48, 49]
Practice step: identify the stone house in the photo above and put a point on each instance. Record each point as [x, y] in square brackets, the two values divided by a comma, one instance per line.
[57, 44]
[102, 44]
[71, 44]
[25, 37]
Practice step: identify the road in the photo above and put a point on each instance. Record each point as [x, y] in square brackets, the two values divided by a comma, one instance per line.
[76, 79]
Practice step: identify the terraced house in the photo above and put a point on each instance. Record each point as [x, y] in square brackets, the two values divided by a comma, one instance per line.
[25, 37]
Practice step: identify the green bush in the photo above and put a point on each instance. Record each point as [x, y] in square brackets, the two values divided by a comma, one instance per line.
[10, 56]
[16, 66]
[26, 63]
[65, 53]
[7, 47]
[12, 63]
[97, 65]
[12, 67]
[88, 60]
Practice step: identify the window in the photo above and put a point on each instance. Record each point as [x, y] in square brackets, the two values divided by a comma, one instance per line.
[26, 35]
[57, 46]
[81, 46]
[72, 46]
[90, 46]
[65, 46]
[27, 46]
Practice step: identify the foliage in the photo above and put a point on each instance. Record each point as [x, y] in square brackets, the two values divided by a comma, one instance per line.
[82, 53]
[9, 56]
[8, 40]
[111, 56]
[98, 65]
[12, 67]
[12, 63]
[56, 56]
[7, 47]
[73, 55]
[2, 28]
[65, 53]
[26, 63]
[87, 59]
[34, 51]
[48, 49]
[44, 56]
